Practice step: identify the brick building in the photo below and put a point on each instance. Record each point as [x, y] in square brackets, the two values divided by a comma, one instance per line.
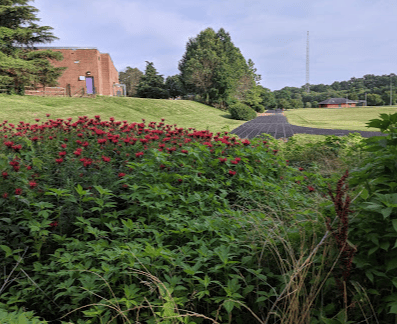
[337, 103]
[88, 71]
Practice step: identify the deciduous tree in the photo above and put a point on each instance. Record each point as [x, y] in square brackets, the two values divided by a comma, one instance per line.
[131, 77]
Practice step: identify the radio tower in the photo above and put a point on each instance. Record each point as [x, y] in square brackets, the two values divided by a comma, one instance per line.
[307, 64]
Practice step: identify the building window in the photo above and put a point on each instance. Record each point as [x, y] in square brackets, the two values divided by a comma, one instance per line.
[76, 61]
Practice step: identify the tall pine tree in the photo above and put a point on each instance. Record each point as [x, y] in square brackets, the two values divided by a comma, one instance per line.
[20, 64]
[151, 84]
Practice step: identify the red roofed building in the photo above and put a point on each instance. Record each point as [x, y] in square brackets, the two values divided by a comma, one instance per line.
[337, 103]
[88, 72]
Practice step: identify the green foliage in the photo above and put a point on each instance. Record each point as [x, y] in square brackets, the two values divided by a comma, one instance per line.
[241, 111]
[253, 98]
[19, 317]
[174, 86]
[374, 229]
[131, 77]
[213, 68]
[19, 66]
[144, 227]
[151, 84]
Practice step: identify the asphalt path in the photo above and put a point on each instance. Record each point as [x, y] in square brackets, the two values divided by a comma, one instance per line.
[276, 125]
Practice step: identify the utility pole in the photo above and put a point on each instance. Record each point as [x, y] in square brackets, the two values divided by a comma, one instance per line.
[307, 64]
[391, 93]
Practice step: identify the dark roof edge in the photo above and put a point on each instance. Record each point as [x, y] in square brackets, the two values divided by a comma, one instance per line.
[56, 47]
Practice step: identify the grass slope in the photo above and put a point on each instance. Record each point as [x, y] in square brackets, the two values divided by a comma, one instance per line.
[345, 118]
[184, 113]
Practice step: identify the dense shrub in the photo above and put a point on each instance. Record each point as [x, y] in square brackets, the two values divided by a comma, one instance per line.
[241, 111]
[109, 219]
[374, 229]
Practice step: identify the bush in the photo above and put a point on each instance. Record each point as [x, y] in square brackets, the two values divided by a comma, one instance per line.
[374, 229]
[18, 317]
[107, 218]
[241, 111]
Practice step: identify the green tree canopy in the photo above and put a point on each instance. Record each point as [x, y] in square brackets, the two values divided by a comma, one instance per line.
[131, 77]
[19, 64]
[215, 69]
[151, 84]
[174, 86]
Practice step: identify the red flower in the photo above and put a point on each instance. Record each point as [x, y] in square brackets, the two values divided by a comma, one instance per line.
[180, 180]
[59, 161]
[32, 184]
[48, 115]
[222, 160]
[121, 175]
[5, 195]
[54, 224]
[16, 168]
[63, 153]
[234, 162]
[4, 174]
[18, 191]
[29, 167]
[310, 188]
[138, 154]
[105, 159]
[184, 151]
[63, 145]
[162, 166]
[246, 142]
[232, 172]
[301, 169]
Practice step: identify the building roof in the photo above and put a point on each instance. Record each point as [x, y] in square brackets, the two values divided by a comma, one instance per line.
[336, 101]
[71, 48]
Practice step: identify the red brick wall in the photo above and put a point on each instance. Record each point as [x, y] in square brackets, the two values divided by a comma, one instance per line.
[99, 65]
[337, 106]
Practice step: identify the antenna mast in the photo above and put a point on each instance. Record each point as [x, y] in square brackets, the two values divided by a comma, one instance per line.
[307, 64]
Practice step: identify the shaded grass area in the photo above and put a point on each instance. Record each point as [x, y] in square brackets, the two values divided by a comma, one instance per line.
[184, 113]
[344, 118]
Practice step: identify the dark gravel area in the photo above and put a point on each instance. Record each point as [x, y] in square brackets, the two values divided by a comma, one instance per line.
[277, 126]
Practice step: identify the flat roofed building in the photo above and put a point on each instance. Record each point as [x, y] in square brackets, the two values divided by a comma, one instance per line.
[87, 69]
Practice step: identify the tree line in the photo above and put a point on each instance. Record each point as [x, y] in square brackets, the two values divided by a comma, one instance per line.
[213, 71]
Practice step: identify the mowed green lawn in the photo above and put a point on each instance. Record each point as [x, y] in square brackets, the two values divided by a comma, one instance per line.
[183, 113]
[341, 118]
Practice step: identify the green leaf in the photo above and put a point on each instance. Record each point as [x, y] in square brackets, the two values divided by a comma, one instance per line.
[229, 305]
[391, 264]
[394, 222]
[386, 211]
[7, 250]
[393, 308]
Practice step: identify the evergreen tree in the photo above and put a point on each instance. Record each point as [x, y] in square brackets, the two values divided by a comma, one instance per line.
[151, 84]
[215, 69]
[20, 65]
[131, 77]
[174, 86]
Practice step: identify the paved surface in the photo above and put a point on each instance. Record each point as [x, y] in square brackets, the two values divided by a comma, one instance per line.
[274, 122]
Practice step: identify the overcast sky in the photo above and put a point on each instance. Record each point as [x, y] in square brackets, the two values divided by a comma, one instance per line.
[348, 38]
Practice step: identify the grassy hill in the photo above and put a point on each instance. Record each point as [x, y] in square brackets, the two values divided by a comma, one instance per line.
[345, 118]
[184, 113]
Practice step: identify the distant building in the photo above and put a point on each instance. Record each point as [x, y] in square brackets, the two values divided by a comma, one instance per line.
[88, 71]
[337, 103]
